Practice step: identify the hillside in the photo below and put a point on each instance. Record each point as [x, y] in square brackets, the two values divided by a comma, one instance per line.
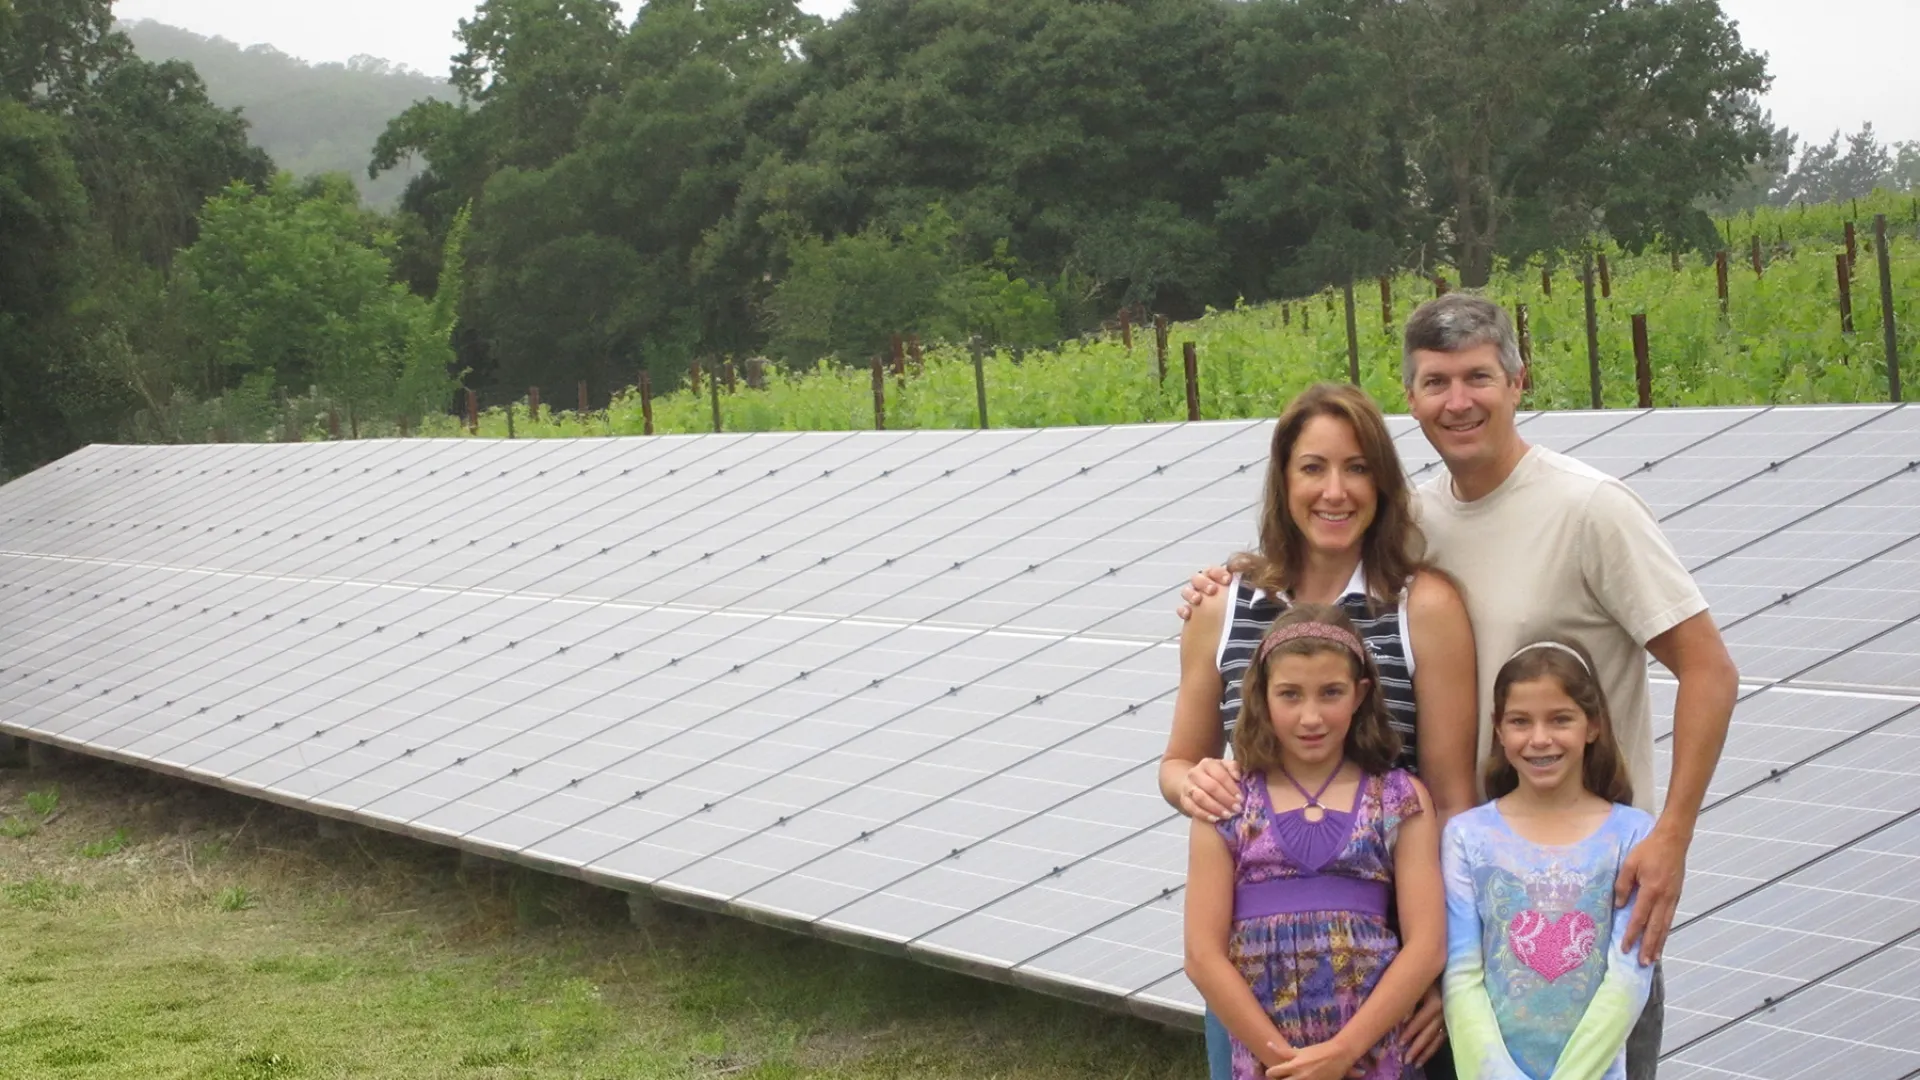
[311, 117]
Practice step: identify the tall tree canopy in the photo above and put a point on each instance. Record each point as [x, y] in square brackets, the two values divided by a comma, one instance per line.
[644, 194]
[736, 176]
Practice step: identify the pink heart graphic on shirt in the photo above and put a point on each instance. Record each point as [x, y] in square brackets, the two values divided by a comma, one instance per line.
[1551, 948]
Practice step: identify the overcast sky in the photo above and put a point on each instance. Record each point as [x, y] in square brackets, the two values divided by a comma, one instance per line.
[1835, 64]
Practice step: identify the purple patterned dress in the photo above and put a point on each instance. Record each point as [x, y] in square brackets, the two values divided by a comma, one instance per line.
[1310, 931]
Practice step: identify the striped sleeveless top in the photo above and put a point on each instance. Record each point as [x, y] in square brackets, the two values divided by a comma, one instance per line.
[1250, 615]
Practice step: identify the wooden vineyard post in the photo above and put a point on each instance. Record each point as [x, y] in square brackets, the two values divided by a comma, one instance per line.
[646, 401]
[1853, 249]
[879, 395]
[756, 374]
[1440, 286]
[1606, 278]
[693, 374]
[1524, 330]
[899, 347]
[1546, 283]
[1593, 331]
[713, 392]
[1126, 328]
[583, 399]
[533, 404]
[1759, 269]
[1159, 346]
[1720, 278]
[510, 420]
[1286, 314]
[473, 412]
[333, 423]
[1191, 354]
[1842, 273]
[1887, 326]
[1386, 304]
[1642, 361]
[1674, 257]
[1306, 318]
[726, 369]
[980, 376]
[1353, 336]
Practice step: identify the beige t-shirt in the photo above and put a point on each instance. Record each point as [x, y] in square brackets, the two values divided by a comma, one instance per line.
[1560, 550]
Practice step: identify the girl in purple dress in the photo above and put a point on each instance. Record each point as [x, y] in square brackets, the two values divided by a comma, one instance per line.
[1287, 929]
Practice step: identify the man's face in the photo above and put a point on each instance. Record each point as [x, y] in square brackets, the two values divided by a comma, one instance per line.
[1465, 402]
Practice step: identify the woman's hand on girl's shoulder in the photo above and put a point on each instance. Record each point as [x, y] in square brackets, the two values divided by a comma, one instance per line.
[1212, 790]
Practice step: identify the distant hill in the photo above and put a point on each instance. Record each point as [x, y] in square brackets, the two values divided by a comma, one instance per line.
[311, 117]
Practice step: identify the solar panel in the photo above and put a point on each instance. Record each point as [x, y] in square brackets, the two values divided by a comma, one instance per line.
[909, 689]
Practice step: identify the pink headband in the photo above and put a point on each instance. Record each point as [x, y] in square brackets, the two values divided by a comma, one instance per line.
[1320, 630]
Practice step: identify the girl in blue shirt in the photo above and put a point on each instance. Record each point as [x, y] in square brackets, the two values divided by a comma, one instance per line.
[1537, 984]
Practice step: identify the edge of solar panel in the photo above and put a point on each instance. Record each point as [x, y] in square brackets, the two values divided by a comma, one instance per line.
[1811, 509]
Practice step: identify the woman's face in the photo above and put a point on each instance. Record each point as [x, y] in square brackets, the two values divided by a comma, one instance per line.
[1330, 486]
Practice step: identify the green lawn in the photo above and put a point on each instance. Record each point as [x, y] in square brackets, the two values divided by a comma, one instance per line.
[154, 929]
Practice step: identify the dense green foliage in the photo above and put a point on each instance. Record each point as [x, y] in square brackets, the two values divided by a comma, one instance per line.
[1780, 343]
[312, 118]
[735, 178]
[157, 281]
[731, 177]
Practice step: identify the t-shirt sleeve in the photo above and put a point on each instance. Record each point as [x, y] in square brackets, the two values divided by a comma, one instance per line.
[1398, 801]
[1239, 828]
[1630, 567]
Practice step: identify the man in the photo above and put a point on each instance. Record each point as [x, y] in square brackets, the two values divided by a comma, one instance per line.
[1543, 546]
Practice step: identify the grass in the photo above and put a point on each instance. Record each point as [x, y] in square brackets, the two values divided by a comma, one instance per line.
[43, 803]
[111, 844]
[230, 942]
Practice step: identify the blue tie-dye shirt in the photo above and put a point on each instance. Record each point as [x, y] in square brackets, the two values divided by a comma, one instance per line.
[1536, 984]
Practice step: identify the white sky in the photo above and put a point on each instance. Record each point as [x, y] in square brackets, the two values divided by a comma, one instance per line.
[1834, 65]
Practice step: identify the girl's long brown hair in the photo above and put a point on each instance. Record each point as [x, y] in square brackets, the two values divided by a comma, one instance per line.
[1371, 742]
[1392, 544]
[1603, 768]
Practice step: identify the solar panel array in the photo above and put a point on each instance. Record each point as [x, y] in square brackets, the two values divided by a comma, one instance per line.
[910, 689]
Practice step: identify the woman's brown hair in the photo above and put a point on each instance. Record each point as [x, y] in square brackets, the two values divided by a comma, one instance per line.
[1391, 546]
[1603, 768]
[1371, 742]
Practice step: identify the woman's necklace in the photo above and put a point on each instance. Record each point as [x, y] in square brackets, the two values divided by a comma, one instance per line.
[1314, 811]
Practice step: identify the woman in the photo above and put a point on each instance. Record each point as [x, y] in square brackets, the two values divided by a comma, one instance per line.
[1336, 528]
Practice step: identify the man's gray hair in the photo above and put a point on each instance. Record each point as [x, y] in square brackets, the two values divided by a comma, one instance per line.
[1459, 321]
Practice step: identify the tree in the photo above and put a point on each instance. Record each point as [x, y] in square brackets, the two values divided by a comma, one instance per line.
[151, 149]
[1906, 167]
[1828, 173]
[848, 297]
[1768, 181]
[284, 289]
[43, 216]
[628, 248]
[51, 49]
[1537, 122]
[1055, 125]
